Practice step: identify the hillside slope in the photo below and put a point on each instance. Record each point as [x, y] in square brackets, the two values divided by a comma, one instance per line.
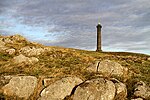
[21, 57]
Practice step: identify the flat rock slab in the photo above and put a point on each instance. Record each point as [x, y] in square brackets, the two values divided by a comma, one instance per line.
[23, 59]
[60, 89]
[21, 86]
[31, 51]
[108, 68]
[112, 68]
[95, 89]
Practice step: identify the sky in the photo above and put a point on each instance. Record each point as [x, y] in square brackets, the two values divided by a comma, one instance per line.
[72, 23]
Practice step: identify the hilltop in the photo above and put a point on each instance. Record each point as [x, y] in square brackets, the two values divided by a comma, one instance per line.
[20, 57]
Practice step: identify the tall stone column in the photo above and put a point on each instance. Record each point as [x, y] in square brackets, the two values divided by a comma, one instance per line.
[99, 38]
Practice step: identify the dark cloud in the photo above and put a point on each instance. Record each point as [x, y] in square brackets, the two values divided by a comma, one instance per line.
[124, 22]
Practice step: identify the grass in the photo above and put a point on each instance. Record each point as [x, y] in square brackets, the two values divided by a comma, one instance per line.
[5, 57]
[62, 62]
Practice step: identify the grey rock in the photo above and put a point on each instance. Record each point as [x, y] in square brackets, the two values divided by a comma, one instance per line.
[94, 68]
[148, 59]
[33, 60]
[19, 59]
[17, 37]
[7, 40]
[23, 59]
[21, 86]
[110, 68]
[95, 89]
[60, 89]
[4, 80]
[11, 51]
[31, 51]
[141, 90]
[12, 39]
[121, 90]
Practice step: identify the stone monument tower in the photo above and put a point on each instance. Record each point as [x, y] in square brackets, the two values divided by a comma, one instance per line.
[99, 37]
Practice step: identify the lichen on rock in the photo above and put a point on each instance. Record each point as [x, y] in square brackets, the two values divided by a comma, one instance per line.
[21, 86]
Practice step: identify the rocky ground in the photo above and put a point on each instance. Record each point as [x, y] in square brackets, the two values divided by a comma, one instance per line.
[31, 71]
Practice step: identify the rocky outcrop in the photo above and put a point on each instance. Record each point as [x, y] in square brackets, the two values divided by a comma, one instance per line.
[7, 40]
[95, 89]
[100, 89]
[148, 59]
[23, 59]
[11, 51]
[69, 88]
[13, 39]
[141, 90]
[60, 89]
[109, 68]
[121, 90]
[17, 38]
[19, 56]
[31, 51]
[21, 86]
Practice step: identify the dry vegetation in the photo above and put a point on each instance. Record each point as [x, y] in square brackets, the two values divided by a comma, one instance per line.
[60, 62]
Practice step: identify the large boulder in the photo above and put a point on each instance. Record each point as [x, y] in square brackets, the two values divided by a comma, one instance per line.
[23, 59]
[109, 68]
[60, 89]
[20, 58]
[148, 59]
[121, 90]
[21, 86]
[95, 89]
[141, 90]
[31, 51]
[100, 89]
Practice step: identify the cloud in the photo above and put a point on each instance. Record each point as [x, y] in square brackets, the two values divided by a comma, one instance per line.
[71, 23]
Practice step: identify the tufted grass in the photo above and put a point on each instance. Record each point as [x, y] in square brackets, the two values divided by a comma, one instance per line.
[62, 62]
